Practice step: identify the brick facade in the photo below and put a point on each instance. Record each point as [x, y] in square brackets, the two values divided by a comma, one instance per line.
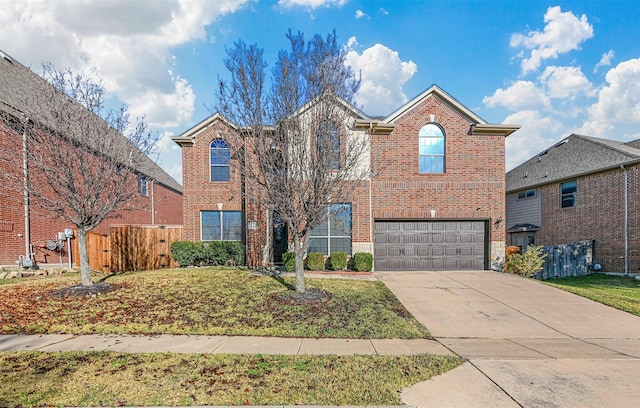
[471, 188]
[598, 215]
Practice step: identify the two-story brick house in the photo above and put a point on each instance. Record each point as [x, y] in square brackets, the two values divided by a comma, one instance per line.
[581, 188]
[26, 228]
[434, 200]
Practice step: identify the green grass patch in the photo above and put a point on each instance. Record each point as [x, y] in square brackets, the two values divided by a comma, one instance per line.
[616, 291]
[207, 301]
[33, 379]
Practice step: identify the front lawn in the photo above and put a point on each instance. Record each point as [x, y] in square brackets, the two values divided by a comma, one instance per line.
[617, 291]
[206, 301]
[35, 379]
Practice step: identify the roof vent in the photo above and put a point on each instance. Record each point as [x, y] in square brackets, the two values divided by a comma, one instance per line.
[5, 57]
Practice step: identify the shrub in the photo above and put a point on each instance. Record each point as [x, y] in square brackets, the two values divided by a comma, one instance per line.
[508, 251]
[208, 253]
[363, 261]
[289, 261]
[315, 261]
[338, 260]
[185, 253]
[526, 264]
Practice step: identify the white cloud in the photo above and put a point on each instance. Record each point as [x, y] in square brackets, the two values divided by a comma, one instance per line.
[383, 11]
[383, 75]
[311, 4]
[536, 133]
[618, 102]
[360, 14]
[565, 82]
[521, 95]
[562, 33]
[605, 60]
[127, 43]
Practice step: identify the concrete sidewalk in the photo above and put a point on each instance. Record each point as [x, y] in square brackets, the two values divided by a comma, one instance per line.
[218, 344]
[528, 344]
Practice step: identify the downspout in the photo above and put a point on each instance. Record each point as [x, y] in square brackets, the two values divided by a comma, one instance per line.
[371, 236]
[25, 186]
[626, 221]
[153, 204]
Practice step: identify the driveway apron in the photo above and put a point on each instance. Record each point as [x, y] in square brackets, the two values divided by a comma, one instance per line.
[528, 344]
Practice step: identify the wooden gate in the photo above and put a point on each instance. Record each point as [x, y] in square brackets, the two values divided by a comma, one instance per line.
[139, 248]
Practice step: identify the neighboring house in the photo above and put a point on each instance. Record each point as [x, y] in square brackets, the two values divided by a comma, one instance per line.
[435, 201]
[582, 188]
[22, 228]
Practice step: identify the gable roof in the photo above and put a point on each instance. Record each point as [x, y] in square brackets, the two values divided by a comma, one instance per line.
[574, 156]
[187, 138]
[435, 91]
[18, 88]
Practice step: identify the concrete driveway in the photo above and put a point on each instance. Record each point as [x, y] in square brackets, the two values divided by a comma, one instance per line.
[528, 344]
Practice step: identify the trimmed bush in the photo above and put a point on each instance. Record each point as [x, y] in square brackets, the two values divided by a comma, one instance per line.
[185, 253]
[526, 264]
[363, 262]
[315, 261]
[338, 260]
[212, 253]
[289, 261]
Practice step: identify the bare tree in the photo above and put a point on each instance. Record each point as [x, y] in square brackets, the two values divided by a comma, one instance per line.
[85, 161]
[294, 146]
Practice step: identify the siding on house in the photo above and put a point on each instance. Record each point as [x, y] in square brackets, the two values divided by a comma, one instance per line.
[524, 210]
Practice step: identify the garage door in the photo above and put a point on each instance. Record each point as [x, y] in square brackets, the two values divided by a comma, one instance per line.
[429, 245]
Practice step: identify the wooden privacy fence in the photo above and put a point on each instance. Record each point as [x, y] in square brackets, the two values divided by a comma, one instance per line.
[574, 259]
[133, 248]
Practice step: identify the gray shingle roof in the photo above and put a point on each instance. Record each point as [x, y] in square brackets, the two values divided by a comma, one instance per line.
[18, 85]
[574, 156]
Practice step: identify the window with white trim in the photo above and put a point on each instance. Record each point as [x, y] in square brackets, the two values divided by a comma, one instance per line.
[221, 225]
[219, 160]
[334, 234]
[431, 149]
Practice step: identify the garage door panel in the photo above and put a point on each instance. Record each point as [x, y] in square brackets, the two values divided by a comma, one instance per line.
[430, 245]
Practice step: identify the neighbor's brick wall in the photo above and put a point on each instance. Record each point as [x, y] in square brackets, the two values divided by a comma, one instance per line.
[598, 215]
[472, 187]
[168, 210]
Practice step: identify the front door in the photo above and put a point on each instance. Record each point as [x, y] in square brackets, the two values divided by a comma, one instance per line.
[280, 238]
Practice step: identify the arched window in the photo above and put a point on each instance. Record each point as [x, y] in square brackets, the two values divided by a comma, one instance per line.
[328, 144]
[431, 149]
[219, 160]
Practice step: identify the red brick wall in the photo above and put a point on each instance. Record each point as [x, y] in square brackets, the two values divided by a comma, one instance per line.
[598, 215]
[167, 206]
[472, 186]
[199, 193]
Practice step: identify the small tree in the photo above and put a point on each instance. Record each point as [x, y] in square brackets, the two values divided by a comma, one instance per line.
[85, 161]
[294, 148]
[528, 263]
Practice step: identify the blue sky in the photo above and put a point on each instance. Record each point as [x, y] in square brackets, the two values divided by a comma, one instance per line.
[555, 68]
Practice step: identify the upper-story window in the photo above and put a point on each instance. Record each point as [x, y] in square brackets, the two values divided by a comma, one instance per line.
[328, 144]
[142, 186]
[220, 160]
[526, 194]
[431, 149]
[568, 193]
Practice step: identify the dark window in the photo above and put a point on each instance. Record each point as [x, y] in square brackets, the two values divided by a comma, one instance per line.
[329, 144]
[221, 225]
[335, 233]
[526, 194]
[431, 149]
[142, 186]
[220, 159]
[568, 193]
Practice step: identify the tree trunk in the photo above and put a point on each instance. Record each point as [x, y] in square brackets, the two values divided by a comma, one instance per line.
[85, 270]
[298, 250]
